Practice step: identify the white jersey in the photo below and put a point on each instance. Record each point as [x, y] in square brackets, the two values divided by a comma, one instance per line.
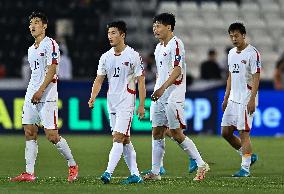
[39, 59]
[242, 66]
[121, 71]
[167, 57]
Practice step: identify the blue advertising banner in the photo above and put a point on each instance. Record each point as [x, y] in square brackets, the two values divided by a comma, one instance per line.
[76, 117]
[268, 117]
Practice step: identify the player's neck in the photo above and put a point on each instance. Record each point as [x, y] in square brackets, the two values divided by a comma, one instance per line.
[38, 39]
[119, 48]
[167, 39]
[242, 47]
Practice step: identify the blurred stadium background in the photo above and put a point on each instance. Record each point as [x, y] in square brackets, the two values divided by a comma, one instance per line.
[79, 27]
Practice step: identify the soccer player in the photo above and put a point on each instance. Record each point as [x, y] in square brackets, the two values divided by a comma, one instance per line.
[41, 99]
[192, 163]
[241, 96]
[123, 67]
[167, 108]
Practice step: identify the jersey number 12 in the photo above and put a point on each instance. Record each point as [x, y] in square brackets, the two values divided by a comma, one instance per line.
[116, 72]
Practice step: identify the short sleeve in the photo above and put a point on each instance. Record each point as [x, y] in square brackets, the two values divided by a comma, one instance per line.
[52, 52]
[176, 54]
[255, 62]
[138, 66]
[102, 66]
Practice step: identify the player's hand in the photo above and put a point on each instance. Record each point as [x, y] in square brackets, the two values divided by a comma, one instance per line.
[37, 96]
[251, 107]
[157, 94]
[91, 102]
[140, 112]
[224, 105]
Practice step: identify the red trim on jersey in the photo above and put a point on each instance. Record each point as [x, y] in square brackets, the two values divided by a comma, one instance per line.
[55, 123]
[178, 82]
[182, 126]
[54, 61]
[130, 91]
[249, 87]
[128, 127]
[257, 58]
[176, 62]
[246, 122]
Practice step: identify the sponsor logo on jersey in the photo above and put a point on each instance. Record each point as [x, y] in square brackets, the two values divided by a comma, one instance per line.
[244, 61]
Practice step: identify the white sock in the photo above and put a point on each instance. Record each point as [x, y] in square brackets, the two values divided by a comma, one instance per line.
[158, 151]
[114, 156]
[31, 151]
[240, 151]
[130, 158]
[64, 149]
[189, 147]
[246, 160]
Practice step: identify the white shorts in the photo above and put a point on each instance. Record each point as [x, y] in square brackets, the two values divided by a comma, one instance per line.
[121, 122]
[43, 113]
[170, 115]
[175, 115]
[158, 114]
[236, 115]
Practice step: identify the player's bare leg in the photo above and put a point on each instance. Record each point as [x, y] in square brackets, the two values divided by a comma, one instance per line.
[62, 146]
[246, 155]
[189, 148]
[31, 151]
[233, 140]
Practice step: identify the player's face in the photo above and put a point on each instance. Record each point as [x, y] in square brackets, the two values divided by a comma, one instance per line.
[115, 37]
[37, 27]
[237, 38]
[161, 31]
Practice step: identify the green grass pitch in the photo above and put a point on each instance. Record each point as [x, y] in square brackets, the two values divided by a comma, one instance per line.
[91, 153]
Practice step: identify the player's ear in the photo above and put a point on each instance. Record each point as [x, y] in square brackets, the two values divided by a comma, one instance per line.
[44, 26]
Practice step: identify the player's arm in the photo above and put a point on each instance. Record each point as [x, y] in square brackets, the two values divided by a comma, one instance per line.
[48, 78]
[96, 89]
[227, 93]
[171, 80]
[142, 95]
[254, 89]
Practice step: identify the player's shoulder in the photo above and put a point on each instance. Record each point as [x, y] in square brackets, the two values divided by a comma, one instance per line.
[232, 50]
[132, 52]
[49, 43]
[107, 54]
[253, 50]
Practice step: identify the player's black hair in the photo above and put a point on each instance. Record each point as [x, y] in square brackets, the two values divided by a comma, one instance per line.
[41, 15]
[166, 19]
[237, 26]
[120, 25]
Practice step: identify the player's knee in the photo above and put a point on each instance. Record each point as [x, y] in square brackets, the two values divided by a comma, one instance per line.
[118, 137]
[30, 135]
[53, 138]
[158, 133]
[225, 134]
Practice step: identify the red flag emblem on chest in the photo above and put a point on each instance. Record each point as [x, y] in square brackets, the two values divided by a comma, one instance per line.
[126, 63]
